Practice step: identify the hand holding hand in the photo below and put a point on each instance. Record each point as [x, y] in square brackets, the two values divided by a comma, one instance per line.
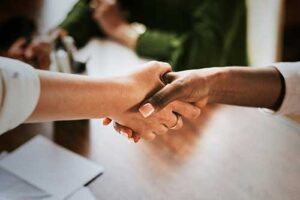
[140, 85]
[191, 86]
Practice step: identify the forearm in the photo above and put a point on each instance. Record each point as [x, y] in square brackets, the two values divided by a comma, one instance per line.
[254, 87]
[70, 97]
[80, 18]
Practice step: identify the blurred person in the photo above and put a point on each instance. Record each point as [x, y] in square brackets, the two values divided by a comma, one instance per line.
[19, 41]
[188, 34]
[29, 95]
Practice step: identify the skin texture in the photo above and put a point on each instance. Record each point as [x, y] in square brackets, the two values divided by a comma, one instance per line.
[70, 97]
[254, 87]
[110, 18]
[37, 53]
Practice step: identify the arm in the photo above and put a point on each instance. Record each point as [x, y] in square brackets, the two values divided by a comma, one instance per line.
[46, 96]
[80, 18]
[216, 35]
[68, 97]
[254, 87]
[20, 90]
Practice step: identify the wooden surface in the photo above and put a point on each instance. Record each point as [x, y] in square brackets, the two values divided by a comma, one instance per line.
[229, 153]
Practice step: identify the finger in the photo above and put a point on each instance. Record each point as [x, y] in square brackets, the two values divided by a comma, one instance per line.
[163, 129]
[17, 48]
[123, 130]
[202, 102]
[106, 121]
[126, 131]
[29, 52]
[148, 136]
[169, 120]
[44, 62]
[161, 99]
[186, 109]
[158, 68]
[136, 137]
[169, 77]
[165, 69]
[20, 43]
[179, 124]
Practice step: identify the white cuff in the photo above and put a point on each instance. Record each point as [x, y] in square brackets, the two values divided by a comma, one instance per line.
[291, 101]
[20, 87]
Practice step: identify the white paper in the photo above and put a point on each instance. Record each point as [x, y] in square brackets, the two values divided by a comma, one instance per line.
[47, 166]
[3, 154]
[14, 188]
[83, 194]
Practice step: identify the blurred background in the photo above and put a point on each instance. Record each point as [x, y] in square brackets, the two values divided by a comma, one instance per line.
[272, 28]
[228, 153]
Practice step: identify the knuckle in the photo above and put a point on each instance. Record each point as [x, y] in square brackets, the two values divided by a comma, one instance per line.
[154, 64]
[179, 87]
[193, 112]
[158, 100]
[164, 130]
[180, 125]
[196, 113]
[166, 66]
[160, 66]
[148, 136]
[161, 130]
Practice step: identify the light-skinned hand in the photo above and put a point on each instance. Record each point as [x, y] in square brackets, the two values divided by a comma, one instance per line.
[146, 83]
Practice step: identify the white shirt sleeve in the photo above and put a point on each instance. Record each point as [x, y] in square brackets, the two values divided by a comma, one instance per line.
[19, 92]
[291, 75]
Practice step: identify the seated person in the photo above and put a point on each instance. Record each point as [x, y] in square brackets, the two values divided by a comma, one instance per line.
[187, 34]
[17, 42]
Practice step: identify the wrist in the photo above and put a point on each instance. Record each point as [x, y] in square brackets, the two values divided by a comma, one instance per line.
[111, 93]
[128, 34]
[215, 82]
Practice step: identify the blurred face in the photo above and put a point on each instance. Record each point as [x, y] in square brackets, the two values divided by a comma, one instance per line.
[17, 50]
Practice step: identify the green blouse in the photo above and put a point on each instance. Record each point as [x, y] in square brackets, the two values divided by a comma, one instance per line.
[188, 34]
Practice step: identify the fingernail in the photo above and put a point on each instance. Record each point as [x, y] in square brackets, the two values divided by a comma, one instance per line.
[124, 133]
[146, 110]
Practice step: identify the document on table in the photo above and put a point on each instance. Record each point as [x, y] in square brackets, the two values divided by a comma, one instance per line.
[48, 168]
[83, 194]
[12, 187]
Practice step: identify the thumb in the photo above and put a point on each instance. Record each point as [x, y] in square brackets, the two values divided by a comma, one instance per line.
[29, 52]
[161, 99]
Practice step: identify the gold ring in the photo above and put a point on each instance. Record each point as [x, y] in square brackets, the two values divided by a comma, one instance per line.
[178, 117]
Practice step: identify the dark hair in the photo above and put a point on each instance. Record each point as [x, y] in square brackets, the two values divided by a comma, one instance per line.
[14, 28]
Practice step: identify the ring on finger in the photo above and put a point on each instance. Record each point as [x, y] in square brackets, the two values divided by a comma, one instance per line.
[175, 126]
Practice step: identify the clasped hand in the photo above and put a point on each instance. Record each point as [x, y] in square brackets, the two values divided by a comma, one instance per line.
[161, 99]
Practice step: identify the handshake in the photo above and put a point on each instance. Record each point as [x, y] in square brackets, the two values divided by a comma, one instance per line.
[155, 99]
